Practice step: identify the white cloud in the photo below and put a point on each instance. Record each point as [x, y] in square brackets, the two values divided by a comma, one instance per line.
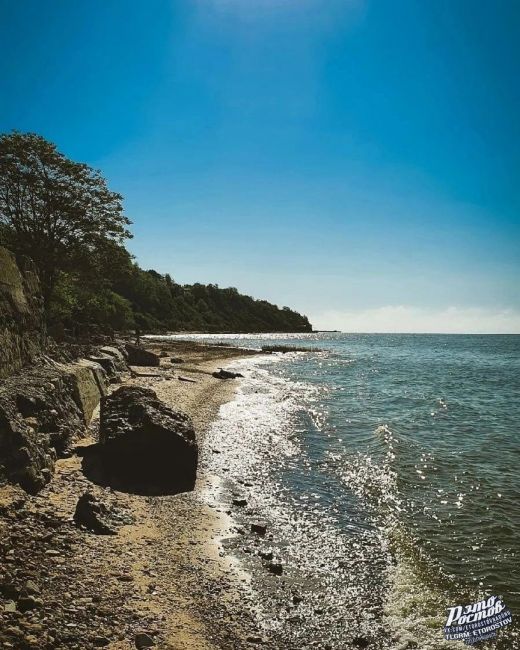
[407, 319]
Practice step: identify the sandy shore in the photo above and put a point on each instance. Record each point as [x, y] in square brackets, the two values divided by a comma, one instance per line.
[165, 573]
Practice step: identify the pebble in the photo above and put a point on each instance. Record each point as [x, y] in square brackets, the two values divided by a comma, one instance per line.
[143, 640]
[29, 602]
[276, 568]
[259, 529]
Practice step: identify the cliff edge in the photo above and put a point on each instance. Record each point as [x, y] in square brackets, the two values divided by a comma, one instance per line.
[22, 329]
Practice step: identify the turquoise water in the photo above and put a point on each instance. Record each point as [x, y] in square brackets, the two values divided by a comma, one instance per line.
[404, 452]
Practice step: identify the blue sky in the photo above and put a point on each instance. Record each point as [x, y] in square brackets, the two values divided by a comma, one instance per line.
[357, 160]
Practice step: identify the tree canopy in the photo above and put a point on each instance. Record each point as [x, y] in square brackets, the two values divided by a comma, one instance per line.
[62, 214]
[56, 211]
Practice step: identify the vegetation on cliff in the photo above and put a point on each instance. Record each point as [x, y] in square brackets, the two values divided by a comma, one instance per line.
[63, 216]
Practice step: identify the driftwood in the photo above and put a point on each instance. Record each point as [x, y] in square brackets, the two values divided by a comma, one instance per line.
[181, 378]
[141, 372]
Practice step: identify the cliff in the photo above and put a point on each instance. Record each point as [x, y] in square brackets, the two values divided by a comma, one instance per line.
[22, 329]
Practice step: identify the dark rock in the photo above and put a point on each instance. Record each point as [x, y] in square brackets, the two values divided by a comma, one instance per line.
[100, 641]
[25, 603]
[361, 642]
[266, 555]
[39, 417]
[259, 529]
[43, 410]
[108, 365]
[226, 374]
[117, 355]
[276, 568]
[177, 360]
[143, 640]
[138, 356]
[145, 446]
[240, 502]
[93, 515]
[8, 589]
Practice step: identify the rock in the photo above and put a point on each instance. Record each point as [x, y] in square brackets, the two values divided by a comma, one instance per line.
[276, 568]
[240, 502]
[39, 417]
[90, 384]
[99, 374]
[226, 374]
[31, 587]
[259, 529]
[108, 365]
[93, 515]
[10, 606]
[361, 642]
[117, 355]
[177, 360]
[143, 640]
[266, 555]
[146, 446]
[138, 356]
[188, 379]
[12, 499]
[100, 641]
[25, 603]
[22, 329]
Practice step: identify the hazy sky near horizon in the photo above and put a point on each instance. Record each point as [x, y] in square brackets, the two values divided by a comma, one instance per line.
[358, 160]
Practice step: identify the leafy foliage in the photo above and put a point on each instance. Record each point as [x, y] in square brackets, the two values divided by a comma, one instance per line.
[62, 215]
[161, 304]
[56, 211]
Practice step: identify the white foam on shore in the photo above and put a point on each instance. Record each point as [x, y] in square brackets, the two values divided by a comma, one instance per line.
[234, 447]
[260, 424]
[255, 439]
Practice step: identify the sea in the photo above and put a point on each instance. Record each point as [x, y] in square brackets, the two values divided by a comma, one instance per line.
[386, 468]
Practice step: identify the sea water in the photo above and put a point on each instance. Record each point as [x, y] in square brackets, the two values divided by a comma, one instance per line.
[388, 467]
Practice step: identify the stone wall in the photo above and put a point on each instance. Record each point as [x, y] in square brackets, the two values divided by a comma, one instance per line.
[22, 330]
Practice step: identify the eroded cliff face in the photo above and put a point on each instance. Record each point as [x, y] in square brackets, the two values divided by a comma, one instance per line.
[45, 405]
[22, 330]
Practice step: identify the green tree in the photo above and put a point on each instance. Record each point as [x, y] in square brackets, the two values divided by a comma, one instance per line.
[57, 211]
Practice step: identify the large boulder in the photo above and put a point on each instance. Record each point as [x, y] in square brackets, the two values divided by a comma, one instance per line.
[146, 446]
[116, 355]
[138, 356]
[90, 384]
[108, 365]
[39, 419]
[22, 331]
